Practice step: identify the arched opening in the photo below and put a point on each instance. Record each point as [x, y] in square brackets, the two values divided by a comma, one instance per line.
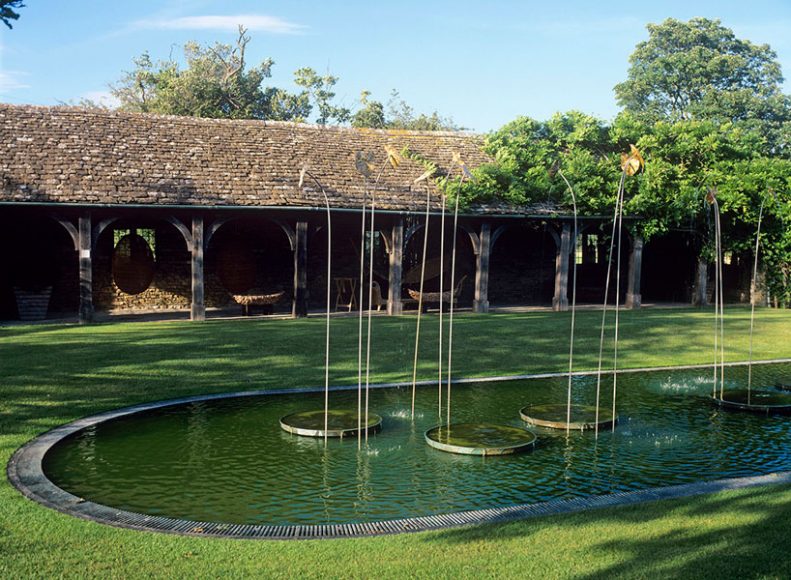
[248, 256]
[141, 264]
[522, 266]
[591, 254]
[39, 264]
[669, 263]
[438, 263]
[346, 247]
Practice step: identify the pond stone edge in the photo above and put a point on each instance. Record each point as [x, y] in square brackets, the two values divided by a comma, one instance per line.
[25, 472]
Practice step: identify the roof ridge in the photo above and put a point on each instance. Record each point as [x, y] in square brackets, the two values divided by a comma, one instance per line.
[73, 109]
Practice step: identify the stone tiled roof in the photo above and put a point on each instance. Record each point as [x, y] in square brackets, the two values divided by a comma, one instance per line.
[70, 155]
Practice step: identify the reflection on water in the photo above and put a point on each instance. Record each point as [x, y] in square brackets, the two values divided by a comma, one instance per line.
[229, 461]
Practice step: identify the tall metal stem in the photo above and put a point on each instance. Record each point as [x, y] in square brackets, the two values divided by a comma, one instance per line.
[753, 290]
[719, 304]
[370, 312]
[573, 300]
[722, 303]
[441, 282]
[370, 297]
[329, 280]
[452, 296]
[360, 326]
[617, 305]
[420, 299]
[606, 296]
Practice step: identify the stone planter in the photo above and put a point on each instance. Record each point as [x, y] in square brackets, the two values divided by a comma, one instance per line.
[32, 304]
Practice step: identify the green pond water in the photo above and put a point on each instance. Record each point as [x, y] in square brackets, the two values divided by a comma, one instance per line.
[229, 460]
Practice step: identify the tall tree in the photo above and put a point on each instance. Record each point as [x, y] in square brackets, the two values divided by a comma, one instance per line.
[319, 89]
[8, 11]
[371, 114]
[217, 82]
[700, 70]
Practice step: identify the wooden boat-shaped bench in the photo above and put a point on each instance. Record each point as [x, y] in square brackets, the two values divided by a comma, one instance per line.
[266, 301]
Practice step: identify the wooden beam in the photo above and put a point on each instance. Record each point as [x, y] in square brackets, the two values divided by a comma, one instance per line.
[396, 255]
[183, 230]
[86, 268]
[70, 229]
[560, 301]
[198, 306]
[481, 301]
[299, 307]
[633, 297]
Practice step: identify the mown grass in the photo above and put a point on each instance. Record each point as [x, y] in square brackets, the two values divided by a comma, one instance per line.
[54, 374]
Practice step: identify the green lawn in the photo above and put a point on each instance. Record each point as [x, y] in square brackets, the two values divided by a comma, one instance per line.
[55, 374]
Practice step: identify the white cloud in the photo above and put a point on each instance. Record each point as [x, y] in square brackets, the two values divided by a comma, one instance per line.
[253, 22]
[104, 98]
[10, 81]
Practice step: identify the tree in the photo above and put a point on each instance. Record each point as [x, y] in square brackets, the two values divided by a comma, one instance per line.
[319, 90]
[402, 116]
[8, 11]
[399, 115]
[371, 113]
[700, 70]
[526, 150]
[215, 83]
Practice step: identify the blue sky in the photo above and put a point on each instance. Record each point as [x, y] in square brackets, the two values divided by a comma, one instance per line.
[482, 63]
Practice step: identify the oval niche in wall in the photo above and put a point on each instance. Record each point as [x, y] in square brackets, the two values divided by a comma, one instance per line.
[133, 264]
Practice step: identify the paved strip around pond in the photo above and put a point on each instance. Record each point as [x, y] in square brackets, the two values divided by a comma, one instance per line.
[24, 471]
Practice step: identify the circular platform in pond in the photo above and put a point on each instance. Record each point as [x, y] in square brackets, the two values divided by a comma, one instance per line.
[340, 423]
[480, 439]
[756, 401]
[554, 416]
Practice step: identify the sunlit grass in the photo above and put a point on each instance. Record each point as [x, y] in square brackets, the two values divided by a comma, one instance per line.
[55, 374]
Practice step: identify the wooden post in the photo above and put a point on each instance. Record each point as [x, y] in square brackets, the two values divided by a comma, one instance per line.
[299, 307]
[481, 301]
[633, 297]
[699, 296]
[86, 269]
[198, 307]
[560, 301]
[394, 304]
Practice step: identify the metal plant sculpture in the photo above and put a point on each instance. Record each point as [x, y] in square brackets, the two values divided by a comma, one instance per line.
[465, 174]
[425, 177]
[365, 166]
[719, 303]
[557, 170]
[305, 172]
[632, 163]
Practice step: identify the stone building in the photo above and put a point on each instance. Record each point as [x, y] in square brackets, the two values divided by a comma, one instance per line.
[117, 211]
